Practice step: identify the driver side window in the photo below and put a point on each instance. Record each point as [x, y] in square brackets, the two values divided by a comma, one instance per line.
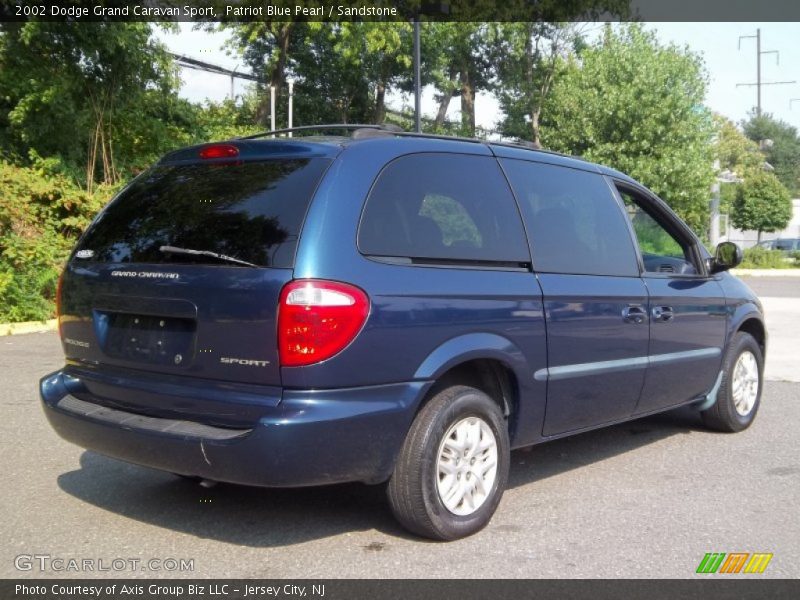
[661, 251]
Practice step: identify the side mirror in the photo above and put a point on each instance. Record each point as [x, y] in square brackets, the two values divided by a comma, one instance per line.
[727, 256]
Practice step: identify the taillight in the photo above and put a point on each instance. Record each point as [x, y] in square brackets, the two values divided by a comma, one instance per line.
[219, 151]
[318, 319]
[59, 285]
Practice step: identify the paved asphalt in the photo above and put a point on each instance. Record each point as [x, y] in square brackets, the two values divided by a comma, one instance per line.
[643, 499]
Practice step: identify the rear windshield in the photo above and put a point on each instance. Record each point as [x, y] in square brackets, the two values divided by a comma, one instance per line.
[249, 211]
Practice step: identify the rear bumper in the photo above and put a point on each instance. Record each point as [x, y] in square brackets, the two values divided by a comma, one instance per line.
[310, 438]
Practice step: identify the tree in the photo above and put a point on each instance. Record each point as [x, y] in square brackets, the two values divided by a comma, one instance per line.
[82, 92]
[533, 53]
[734, 150]
[457, 61]
[762, 204]
[637, 105]
[342, 71]
[783, 152]
[267, 48]
[737, 157]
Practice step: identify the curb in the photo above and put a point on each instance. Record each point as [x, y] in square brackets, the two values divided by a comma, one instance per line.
[766, 272]
[28, 327]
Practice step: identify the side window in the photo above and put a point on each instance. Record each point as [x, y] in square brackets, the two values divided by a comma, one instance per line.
[443, 207]
[574, 222]
[662, 251]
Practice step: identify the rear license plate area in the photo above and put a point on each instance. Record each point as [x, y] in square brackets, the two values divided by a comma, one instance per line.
[148, 339]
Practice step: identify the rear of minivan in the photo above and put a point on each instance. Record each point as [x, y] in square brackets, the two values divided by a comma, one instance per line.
[169, 312]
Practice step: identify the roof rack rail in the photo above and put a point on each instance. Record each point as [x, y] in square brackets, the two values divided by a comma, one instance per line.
[392, 129]
[344, 126]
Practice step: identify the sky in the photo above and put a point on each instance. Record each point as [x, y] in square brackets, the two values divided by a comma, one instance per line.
[717, 43]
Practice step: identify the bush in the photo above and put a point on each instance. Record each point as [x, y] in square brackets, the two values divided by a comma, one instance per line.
[42, 213]
[761, 258]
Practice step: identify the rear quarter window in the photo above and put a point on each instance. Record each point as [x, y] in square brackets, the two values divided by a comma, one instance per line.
[252, 211]
[443, 207]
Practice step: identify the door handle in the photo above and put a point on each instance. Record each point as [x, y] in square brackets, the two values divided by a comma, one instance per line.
[635, 314]
[662, 313]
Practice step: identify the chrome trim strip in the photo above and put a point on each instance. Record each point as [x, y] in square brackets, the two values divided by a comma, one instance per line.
[611, 366]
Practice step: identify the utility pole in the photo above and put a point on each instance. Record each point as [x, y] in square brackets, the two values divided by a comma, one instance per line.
[233, 74]
[272, 108]
[758, 82]
[417, 80]
[291, 104]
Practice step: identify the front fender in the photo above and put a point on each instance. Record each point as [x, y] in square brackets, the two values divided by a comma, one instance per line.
[746, 311]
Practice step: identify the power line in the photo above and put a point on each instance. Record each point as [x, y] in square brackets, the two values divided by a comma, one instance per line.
[758, 82]
[193, 63]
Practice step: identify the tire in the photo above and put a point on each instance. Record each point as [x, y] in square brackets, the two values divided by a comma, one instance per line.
[461, 430]
[739, 394]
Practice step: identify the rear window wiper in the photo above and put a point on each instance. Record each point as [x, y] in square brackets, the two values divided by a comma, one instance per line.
[217, 255]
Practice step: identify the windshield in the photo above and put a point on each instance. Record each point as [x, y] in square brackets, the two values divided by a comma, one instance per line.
[250, 211]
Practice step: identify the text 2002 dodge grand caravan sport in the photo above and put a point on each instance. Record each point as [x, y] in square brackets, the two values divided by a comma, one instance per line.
[389, 308]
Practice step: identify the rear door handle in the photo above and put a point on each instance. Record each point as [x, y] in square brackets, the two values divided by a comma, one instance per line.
[635, 314]
[662, 313]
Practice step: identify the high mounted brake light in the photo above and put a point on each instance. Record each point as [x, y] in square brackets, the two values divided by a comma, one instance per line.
[318, 319]
[219, 151]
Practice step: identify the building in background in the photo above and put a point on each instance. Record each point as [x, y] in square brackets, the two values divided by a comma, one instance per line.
[747, 239]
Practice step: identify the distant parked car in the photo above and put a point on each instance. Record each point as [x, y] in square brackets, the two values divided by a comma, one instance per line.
[782, 244]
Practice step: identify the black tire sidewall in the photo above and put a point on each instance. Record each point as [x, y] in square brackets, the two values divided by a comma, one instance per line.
[727, 410]
[466, 403]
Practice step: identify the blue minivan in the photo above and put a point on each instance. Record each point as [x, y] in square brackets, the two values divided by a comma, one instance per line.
[389, 308]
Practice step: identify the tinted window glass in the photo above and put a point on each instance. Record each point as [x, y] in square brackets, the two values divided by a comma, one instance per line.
[661, 251]
[251, 211]
[574, 222]
[443, 206]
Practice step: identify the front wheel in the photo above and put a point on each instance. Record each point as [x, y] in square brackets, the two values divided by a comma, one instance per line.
[453, 467]
[739, 395]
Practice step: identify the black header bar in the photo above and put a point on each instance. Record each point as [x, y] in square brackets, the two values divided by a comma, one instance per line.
[400, 10]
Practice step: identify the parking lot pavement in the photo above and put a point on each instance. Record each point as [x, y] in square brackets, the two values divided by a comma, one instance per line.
[644, 499]
[781, 299]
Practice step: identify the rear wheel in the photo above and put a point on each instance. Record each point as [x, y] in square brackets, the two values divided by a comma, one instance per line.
[453, 467]
[739, 395]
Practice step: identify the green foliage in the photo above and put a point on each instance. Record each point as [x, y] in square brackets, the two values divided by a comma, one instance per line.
[762, 204]
[734, 150]
[452, 219]
[632, 103]
[531, 57]
[761, 258]
[653, 239]
[100, 96]
[225, 120]
[342, 71]
[41, 215]
[783, 153]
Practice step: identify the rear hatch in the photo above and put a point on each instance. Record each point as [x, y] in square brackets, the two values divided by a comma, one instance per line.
[144, 291]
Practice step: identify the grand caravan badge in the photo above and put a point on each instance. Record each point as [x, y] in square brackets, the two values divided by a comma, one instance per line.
[145, 274]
